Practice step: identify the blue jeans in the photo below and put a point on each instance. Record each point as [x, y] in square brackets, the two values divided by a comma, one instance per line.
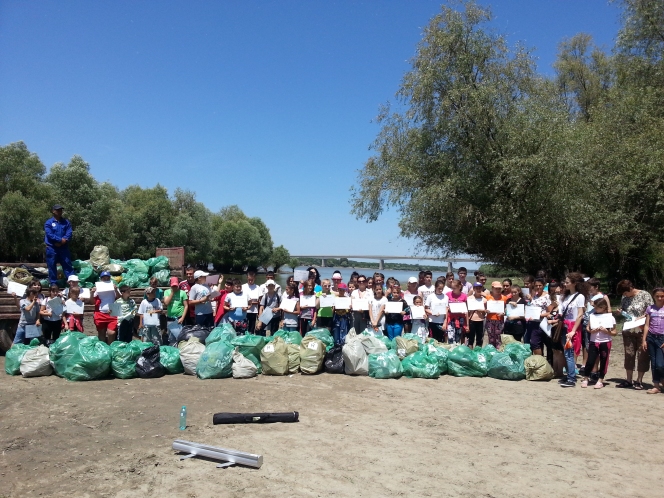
[55, 255]
[206, 320]
[570, 358]
[655, 342]
[19, 338]
[393, 330]
[339, 328]
[531, 326]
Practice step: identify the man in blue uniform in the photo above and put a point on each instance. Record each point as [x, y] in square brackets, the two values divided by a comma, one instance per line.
[58, 233]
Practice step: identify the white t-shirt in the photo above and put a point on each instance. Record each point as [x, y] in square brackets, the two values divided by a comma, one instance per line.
[375, 309]
[434, 302]
[425, 291]
[367, 294]
[196, 293]
[572, 306]
[466, 288]
[603, 336]
[147, 306]
[253, 292]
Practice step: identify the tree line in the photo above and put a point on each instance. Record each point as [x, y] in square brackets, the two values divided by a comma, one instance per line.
[485, 156]
[132, 222]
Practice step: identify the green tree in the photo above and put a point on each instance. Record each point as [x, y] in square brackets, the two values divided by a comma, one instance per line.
[280, 257]
[293, 263]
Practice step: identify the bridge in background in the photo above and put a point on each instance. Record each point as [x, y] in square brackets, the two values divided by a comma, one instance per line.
[381, 259]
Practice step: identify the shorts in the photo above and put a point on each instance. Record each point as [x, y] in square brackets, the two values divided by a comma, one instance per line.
[151, 334]
[105, 320]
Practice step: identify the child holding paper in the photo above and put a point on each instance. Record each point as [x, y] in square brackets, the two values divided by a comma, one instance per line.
[361, 317]
[475, 333]
[494, 321]
[602, 328]
[435, 306]
[457, 323]
[419, 325]
[102, 298]
[408, 295]
[377, 308]
[290, 317]
[324, 315]
[307, 313]
[394, 321]
[51, 312]
[149, 312]
[515, 325]
[127, 314]
[340, 319]
[653, 338]
[74, 321]
[29, 315]
[270, 300]
[236, 314]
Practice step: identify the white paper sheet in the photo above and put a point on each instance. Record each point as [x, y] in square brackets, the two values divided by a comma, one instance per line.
[360, 304]
[605, 320]
[458, 308]
[16, 288]
[409, 299]
[239, 301]
[84, 294]
[55, 305]
[533, 313]
[105, 287]
[288, 305]
[326, 301]
[213, 294]
[115, 309]
[394, 307]
[525, 291]
[495, 306]
[632, 324]
[151, 319]
[212, 280]
[518, 310]
[32, 331]
[417, 312]
[342, 303]
[300, 276]
[474, 304]
[308, 301]
[267, 316]
[73, 308]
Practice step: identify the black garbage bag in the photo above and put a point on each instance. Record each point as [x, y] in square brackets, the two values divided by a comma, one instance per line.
[197, 331]
[334, 360]
[148, 365]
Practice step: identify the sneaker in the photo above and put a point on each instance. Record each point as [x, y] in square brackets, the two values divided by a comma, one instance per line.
[584, 383]
[568, 384]
[562, 381]
[599, 385]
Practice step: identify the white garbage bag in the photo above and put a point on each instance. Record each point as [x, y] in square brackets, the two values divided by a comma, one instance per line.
[35, 362]
[243, 368]
[190, 353]
[356, 361]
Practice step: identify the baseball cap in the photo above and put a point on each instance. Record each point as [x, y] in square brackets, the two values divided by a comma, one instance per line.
[336, 275]
[477, 284]
[72, 278]
[412, 280]
[104, 274]
[596, 297]
[200, 273]
[174, 281]
[342, 286]
[495, 283]
[270, 282]
[56, 207]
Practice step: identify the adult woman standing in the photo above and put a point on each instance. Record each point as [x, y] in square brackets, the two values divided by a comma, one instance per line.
[634, 303]
[535, 336]
[572, 306]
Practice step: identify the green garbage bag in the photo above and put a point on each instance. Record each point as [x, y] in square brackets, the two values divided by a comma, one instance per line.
[414, 337]
[86, 274]
[464, 362]
[91, 361]
[289, 336]
[135, 279]
[216, 362]
[123, 358]
[163, 276]
[520, 350]
[440, 354]
[250, 346]
[385, 365]
[384, 339]
[13, 358]
[45, 283]
[78, 264]
[157, 264]
[420, 365]
[225, 332]
[169, 357]
[322, 335]
[63, 349]
[506, 366]
[136, 266]
[489, 351]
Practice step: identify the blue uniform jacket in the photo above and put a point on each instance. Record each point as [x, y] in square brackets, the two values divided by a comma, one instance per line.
[55, 231]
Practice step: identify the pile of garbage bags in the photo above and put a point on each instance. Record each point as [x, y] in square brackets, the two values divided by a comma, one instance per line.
[220, 353]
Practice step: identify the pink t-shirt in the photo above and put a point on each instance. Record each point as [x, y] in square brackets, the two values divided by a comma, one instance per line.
[656, 325]
[461, 298]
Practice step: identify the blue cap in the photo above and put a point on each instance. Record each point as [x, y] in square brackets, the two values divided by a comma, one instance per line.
[478, 284]
[104, 274]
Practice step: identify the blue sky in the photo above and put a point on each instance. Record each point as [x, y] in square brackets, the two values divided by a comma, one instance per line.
[267, 105]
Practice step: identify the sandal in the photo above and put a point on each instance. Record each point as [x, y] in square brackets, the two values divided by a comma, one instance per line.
[654, 390]
[638, 386]
[625, 385]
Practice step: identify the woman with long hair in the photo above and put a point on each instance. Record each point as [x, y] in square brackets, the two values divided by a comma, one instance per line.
[572, 305]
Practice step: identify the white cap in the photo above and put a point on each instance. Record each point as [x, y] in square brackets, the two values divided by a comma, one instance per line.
[270, 282]
[412, 280]
[200, 273]
[72, 278]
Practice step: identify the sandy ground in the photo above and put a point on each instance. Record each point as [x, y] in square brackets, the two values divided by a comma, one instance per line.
[356, 437]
